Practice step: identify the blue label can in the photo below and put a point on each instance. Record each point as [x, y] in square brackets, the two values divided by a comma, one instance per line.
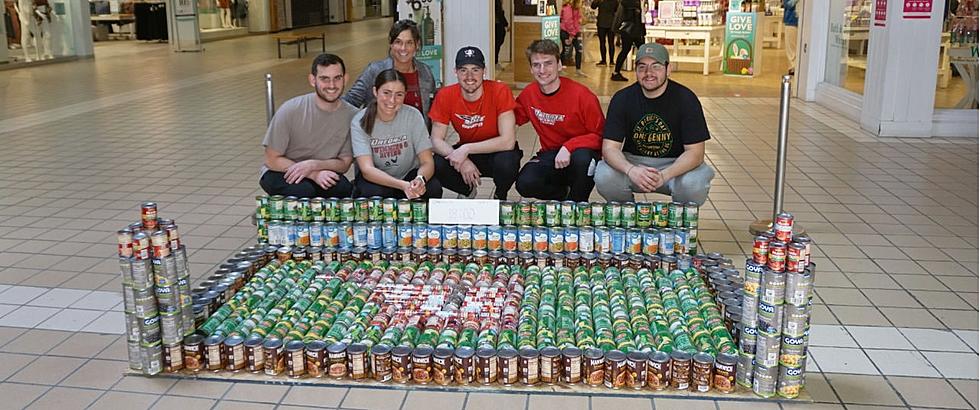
[316, 234]
[634, 241]
[540, 239]
[374, 235]
[360, 235]
[666, 241]
[603, 240]
[450, 236]
[680, 241]
[420, 235]
[331, 235]
[571, 238]
[495, 238]
[586, 239]
[435, 236]
[404, 235]
[346, 235]
[651, 241]
[618, 238]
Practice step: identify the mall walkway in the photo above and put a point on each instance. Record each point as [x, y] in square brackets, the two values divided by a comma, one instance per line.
[895, 225]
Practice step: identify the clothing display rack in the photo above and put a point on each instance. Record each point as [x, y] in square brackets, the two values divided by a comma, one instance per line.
[151, 21]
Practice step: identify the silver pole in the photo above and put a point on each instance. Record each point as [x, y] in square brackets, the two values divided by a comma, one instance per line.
[270, 105]
[777, 205]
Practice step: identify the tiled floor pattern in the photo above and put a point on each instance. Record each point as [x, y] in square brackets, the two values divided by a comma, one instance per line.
[895, 222]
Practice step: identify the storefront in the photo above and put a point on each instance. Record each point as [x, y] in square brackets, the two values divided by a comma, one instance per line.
[897, 69]
[61, 29]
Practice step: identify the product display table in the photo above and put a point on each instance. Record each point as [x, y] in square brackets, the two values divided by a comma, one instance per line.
[118, 19]
[964, 58]
[707, 34]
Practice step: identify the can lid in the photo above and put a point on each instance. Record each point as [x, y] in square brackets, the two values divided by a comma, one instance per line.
[704, 358]
[422, 351]
[593, 353]
[295, 345]
[273, 343]
[726, 359]
[571, 351]
[485, 352]
[380, 349]
[356, 348]
[465, 352]
[338, 347]
[443, 353]
[615, 355]
[193, 339]
[234, 340]
[401, 351]
[507, 353]
[550, 351]
[658, 356]
[316, 345]
[636, 356]
[215, 339]
[254, 340]
[680, 355]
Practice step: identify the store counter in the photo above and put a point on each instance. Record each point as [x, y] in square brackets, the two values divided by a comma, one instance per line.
[707, 34]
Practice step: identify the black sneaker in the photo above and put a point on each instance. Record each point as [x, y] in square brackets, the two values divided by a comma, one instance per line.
[601, 63]
[619, 77]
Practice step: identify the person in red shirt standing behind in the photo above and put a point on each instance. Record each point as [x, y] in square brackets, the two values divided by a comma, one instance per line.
[568, 119]
[482, 113]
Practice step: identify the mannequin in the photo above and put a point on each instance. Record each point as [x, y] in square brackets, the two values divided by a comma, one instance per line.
[30, 31]
[224, 8]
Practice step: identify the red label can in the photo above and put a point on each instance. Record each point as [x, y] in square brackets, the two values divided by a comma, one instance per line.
[141, 246]
[777, 256]
[125, 239]
[795, 257]
[783, 226]
[148, 214]
[760, 249]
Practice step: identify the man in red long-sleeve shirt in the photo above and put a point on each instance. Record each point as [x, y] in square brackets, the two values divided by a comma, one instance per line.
[568, 120]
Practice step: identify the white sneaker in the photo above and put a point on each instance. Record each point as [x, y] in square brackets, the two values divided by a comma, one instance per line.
[580, 73]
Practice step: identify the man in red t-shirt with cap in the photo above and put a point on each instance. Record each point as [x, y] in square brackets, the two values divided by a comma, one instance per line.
[482, 113]
[568, 120]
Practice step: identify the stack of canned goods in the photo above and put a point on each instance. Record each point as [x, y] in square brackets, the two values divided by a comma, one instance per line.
[622, 323]
[389, 225]
[775, 320]
[156, 291]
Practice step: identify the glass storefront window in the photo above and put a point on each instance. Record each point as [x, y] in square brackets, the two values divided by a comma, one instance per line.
[956, 79]
[847, 44]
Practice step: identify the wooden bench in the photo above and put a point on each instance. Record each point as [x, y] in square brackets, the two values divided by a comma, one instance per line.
[300, 38]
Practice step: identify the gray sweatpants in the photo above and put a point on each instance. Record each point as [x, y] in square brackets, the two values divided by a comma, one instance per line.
[692, 186]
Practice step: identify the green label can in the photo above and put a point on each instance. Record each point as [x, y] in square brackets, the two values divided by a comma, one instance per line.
[316, 209]
[292, 208]
[304, 211]
[629, 215]
[583, 214]
[551, 213]
[404, 212]
[277, 207]
[675, 215]
[331, 210]
[644, 215]
[420, 211]
[375, 209]
[539, 213]
[614, 213]
[262, 207]
[691, 215]
[362, 209]
[598, 214]
[660, 212]
[506, 213]
[347, 212]
[524, 213]
[568, 213]
[389, 210]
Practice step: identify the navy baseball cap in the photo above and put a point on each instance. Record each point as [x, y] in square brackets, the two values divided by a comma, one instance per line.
[470, 55]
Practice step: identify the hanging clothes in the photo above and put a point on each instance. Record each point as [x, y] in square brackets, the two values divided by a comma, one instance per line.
[151, 21]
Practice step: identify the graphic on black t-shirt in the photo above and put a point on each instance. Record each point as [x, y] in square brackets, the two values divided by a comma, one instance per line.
[652, 136]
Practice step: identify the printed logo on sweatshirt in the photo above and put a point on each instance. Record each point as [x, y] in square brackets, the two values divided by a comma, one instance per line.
[652, 136]
[389, 149]
[471, 121]
[546, 118]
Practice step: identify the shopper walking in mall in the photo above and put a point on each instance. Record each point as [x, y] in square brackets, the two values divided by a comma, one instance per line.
[606, 14]
[790, 23]
[404, 40]
[307, 145]
[568, 120]
[654, 136]
[571, 32]
[631, 32]
[500, 29]
[391, 144]
[482, 113]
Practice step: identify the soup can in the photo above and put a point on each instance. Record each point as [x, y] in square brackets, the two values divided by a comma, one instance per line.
[658, 370]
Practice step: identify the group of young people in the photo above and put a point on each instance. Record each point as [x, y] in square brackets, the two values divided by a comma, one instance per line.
[395, 124]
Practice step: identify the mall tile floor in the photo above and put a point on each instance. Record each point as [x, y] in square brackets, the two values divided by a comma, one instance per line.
[894, 221]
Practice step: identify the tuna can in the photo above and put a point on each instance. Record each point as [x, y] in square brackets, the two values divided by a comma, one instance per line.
[509, 366]
[275, 357]
[194, 352]
[586, 239]
[571, 365]
[680, 369]
[357, 359]
[767, 350]
[422, 364]
[764, 380]
[773, 287]
[594, 367]
[529, 368]
[743, 370]
[550, 369]
[486, 366]
[214, 357]
[724, 377]
[777, 256]
[381, 363]
[790, 381]
[463, 367]
[615, 370]
[337, 360]
[442, 366]
[316, 358]
[666, 241]
[254, 354]
[295, 359]
[799, 288]
[173, 358]
[658, 370]
[753, 277]
[401, 364]
[702, 372]
[636, 370]
[795, 320]
[234, 351]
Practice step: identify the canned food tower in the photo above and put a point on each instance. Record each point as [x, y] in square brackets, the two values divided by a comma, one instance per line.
[775, 321]
[156, 292]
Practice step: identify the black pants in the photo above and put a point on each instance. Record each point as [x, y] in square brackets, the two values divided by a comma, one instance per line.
[367, 189]
[606, 36]
[628, 43]
[502, 166]
[539, 179]
[274, 183]
[576, 45]
[500, 33]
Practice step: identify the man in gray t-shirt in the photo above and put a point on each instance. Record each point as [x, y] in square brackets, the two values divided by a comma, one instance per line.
[307, 145]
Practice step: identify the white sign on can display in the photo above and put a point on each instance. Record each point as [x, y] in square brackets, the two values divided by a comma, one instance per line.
[464, 211]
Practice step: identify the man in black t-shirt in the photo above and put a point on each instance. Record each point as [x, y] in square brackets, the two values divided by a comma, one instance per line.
[654, 137]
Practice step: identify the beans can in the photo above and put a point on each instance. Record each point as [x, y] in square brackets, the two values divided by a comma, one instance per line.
[747, 338]
[254, 354]
[234, 351]
[680, 369]
[795, 258]
[767, 349]
[753, 278]
[150, 330]
[724, 377]
[194, 352]
[796, 319]
[486, 366]
[743, 370]
[658, 370]
[702, 372]
[316, 358]
[615, 370]
[422, 364]
[464, 371]
[764, 380]
[799, 288]
[173, 357]
[551, 365]
[636, 370]
[571, 365]
[152, 358]
[401, 364]
[275, 356]
[529, 368]
[594, 367]
[337, 360]
[773, 287]
[509, 365]
[357, 359]
[442, 366]
[214, 357]
[381, 363]
[135, 357]
[790, 381]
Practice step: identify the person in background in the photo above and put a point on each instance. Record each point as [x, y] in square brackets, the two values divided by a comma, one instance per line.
[631, 33]
[391, 145]
[404, 40]
[500, 29]
[482, 113]
[307, 145]
[605, 30]
[571, 32]
[790, 23]
[654, 136]
[568, 120]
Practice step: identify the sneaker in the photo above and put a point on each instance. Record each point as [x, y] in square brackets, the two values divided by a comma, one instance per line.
[619, 77]
[601, 63]
[580, 73]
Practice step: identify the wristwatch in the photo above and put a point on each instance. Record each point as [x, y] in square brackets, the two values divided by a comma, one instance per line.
[422, 177]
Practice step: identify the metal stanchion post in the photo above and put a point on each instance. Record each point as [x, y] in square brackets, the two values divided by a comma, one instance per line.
[763, 225]
[270, 106]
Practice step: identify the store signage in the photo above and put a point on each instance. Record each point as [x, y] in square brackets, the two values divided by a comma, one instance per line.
[917, 9]
[464, 211]
[881, 12]
[551, 28]
[740, 44]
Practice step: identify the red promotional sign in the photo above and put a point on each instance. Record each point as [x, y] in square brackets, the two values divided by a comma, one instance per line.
[881, 7]
[917, 9]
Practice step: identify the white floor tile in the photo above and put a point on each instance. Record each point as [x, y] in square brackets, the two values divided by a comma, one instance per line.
[70, 319]
[108, 322]
[4, 309]
[902, 363]
[954, 365]
[871, 337]
[4, 287]
[842, 360]
[99, 300]
[970, 337]
[59, 298]
[19, 295]
[831, 336]
[27, 316]
[934, 339]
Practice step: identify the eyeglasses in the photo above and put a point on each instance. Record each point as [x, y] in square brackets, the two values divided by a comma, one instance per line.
[650, 67]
